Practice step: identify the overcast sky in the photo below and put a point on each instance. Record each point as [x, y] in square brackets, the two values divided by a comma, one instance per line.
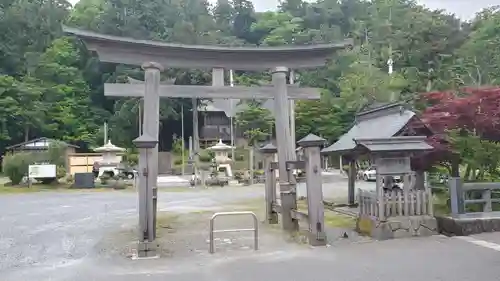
[465, 9]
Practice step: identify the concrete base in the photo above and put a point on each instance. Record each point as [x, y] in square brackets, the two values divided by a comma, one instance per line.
[468, 224]
[146, 250]
[273, 218]
[396, 227]
[316, 241]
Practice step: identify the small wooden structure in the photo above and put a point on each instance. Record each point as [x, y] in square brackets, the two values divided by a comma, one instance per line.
[42, 144]
[392, 213]
[107, 155]
[83, 162]
[383, 121]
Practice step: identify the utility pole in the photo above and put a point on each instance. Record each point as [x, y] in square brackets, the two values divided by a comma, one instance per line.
[182, 138]
[105, 133]
[196, 136]
[390, 61]
[292, 111]
[231, 119]
[139, 117]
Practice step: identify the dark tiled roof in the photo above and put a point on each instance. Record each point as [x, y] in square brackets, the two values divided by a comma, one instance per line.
[382, 122]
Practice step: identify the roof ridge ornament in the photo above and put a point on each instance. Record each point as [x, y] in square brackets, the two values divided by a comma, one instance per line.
[383, 110]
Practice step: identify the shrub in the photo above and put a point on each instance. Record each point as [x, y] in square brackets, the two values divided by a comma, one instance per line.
[258, 172]
[206, 156]
[56, 154]
[131, 157]
[15, 166]
[345, 168]
[70, 179]
[60, 172]
[105, 178]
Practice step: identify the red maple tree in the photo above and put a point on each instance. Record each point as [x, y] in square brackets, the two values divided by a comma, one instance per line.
[473, 109]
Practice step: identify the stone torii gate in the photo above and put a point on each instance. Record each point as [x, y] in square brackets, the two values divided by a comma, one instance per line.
[153, 56]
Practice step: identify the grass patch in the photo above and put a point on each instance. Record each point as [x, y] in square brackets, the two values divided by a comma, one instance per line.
[34, 188]
[255, 205]
[332, 219]
[339, 220]
[441, 204]
[181, 189]
[62, 187]
[165, 223]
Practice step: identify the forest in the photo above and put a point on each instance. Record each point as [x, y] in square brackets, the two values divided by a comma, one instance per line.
[446, 68]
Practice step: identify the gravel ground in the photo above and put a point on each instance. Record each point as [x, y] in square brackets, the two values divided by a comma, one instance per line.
[44, 231]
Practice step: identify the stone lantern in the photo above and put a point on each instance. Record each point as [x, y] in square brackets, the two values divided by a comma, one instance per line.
[109, 153]
[221, 158]
[221, 151]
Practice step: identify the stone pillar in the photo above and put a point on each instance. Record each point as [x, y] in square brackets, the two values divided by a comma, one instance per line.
[420, 180]
[147, 226]
[380, 197]
[406, 194]
[388, 182]
[218, 77]
[291, 102]
[351, 182]
[285, 151]
[456, 196]
[269, 152]
[315, 209]
[152, 128]
[142, 188]
[196, 136]
[250, 163]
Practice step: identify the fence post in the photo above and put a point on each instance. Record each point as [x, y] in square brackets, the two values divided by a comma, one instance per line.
[487, 207]
[351, 181]
[361, 203]
[456, 196]
[315, 209]
[269, 152]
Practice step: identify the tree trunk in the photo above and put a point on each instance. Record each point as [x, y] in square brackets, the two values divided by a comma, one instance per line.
[467, 172]
[26, 133]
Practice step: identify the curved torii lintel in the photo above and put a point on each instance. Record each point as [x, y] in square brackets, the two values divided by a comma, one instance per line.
[130, 51]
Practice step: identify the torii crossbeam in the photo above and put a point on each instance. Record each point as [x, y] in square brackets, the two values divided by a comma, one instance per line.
[210, 92]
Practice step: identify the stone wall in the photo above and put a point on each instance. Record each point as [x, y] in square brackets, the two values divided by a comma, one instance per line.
[463, 226]
[396, 227]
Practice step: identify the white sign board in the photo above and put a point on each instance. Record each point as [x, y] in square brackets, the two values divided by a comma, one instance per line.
[393, 166]
[42, 171]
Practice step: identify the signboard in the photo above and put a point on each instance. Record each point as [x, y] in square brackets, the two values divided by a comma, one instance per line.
[42, 171]
[393, 165]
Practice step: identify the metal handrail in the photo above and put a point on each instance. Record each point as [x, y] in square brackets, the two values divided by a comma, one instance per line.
[255, 228]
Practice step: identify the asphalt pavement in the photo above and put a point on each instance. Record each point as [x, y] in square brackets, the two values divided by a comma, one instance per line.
[54, 236]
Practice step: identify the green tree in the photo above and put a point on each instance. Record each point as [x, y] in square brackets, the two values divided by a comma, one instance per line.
[255, 121]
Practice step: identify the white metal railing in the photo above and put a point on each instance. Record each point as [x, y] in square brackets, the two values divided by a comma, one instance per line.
[395, 203]
[255, 228]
